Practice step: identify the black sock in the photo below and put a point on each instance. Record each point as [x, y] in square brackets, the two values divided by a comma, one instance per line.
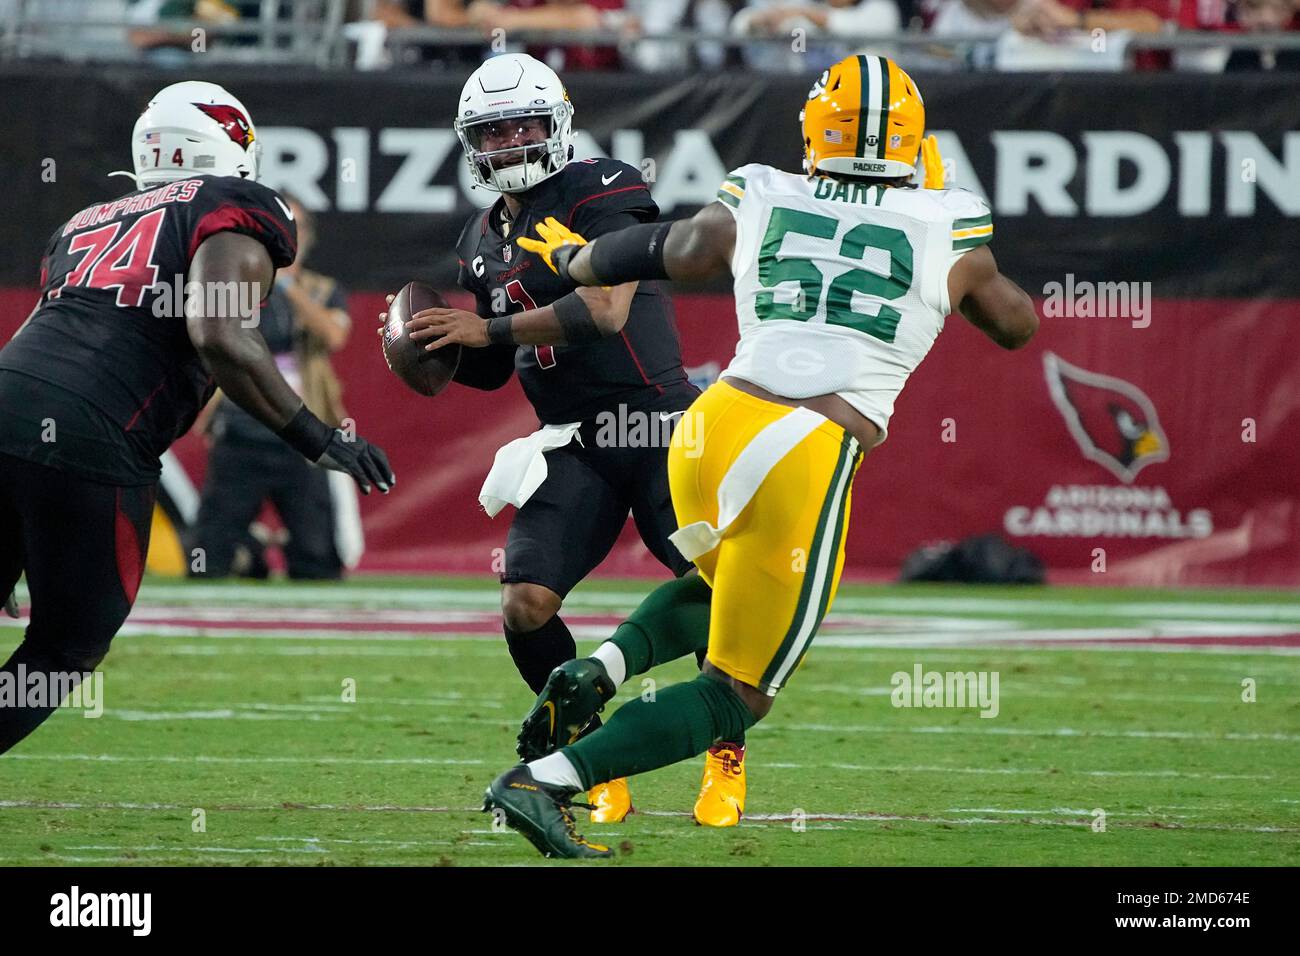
[537, 653]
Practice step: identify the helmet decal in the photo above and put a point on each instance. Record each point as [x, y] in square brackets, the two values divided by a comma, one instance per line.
[235, 123]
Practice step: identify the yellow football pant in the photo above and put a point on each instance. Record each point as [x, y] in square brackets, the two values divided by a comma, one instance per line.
[775, 572]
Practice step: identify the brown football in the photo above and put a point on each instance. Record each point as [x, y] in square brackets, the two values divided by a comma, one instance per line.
[426, 372]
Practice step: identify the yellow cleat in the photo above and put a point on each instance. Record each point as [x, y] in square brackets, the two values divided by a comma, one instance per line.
[722, 793]
[612, 801]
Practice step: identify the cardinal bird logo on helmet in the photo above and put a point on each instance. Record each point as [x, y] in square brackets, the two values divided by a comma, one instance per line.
[235, 123]
[1113, 421]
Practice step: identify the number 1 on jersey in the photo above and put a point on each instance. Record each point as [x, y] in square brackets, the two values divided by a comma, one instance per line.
[515, 290]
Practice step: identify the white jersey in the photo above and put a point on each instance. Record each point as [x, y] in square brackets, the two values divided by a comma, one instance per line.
[842, 287]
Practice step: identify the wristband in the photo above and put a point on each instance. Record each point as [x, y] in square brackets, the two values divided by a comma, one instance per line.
[500, 330]
[306, 434]
[561, 258]
[575, 320]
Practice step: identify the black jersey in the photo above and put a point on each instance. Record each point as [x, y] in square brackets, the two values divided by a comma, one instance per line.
[569, 383]
[104, 377]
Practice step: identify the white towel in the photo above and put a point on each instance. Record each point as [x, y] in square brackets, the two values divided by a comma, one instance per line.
[520, 467]
[743, 478]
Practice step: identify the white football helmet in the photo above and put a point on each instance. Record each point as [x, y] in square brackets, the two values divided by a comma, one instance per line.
[193, 129]
[504, 91]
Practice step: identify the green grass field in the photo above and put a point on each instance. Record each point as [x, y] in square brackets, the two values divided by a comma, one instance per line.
[229, 699]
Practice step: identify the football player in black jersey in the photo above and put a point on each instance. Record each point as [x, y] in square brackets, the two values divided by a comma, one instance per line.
[148, 302]
[515, 125]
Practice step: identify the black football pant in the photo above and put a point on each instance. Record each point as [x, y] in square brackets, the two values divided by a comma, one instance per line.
[573, 519]
[243, 475]
[83, 546]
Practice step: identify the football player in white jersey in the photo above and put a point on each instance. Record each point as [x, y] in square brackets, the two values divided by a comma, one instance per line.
[843, 278]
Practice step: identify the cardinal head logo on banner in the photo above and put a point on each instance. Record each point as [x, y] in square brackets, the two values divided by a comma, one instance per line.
[1113, 421]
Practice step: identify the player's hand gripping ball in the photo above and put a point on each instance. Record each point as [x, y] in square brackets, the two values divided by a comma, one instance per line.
[438, 328]
[427, 372]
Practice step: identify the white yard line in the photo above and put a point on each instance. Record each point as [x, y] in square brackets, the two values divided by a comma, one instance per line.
[1169, 773]
[811, 817]
[1012, 686]
[210, 759]
[324, 650]
[1029, 732]
[487, 597]
[1027, 771]
[258, 713]
[1084, 819]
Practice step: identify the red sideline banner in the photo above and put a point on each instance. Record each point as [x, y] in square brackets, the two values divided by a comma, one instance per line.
[1152, 451]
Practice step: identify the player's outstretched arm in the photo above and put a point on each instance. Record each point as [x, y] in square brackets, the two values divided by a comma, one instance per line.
[700, 248]
[232, 348]
[990, 301]
[691, 249]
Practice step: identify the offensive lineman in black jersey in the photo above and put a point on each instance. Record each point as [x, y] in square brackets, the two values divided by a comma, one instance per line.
[515, 124]
[147, 303]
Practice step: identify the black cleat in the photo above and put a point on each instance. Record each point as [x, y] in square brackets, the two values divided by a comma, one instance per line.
[541, 813]
[574, 693]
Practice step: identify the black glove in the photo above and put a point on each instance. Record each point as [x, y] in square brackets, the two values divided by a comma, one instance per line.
[366, 463]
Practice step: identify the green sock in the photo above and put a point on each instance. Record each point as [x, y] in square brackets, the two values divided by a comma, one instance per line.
[682, 721]
[671, 622]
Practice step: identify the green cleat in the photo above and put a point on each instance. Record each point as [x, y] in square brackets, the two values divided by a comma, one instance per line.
[542, 814]
[574, 693]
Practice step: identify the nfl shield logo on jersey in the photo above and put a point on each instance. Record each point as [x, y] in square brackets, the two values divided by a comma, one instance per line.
[505, 253]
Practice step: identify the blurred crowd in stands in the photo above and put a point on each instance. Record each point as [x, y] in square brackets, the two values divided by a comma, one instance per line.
[775, 35]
